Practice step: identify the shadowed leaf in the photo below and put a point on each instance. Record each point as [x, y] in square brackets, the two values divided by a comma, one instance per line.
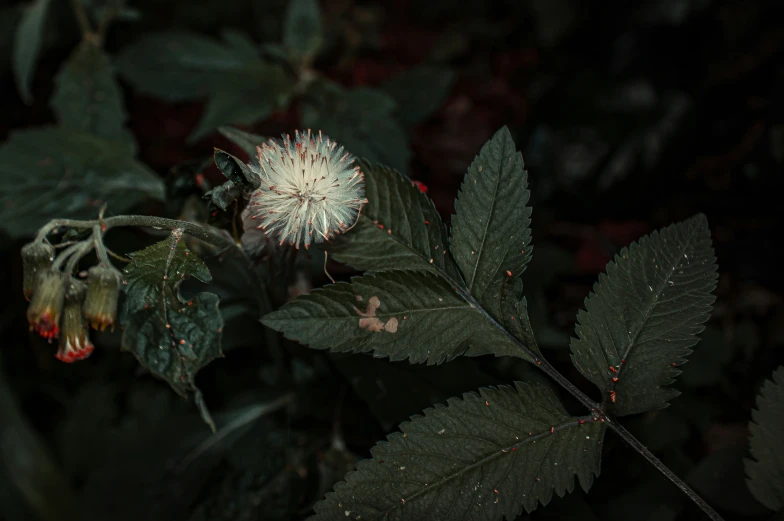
[766, 470]
[27, 46]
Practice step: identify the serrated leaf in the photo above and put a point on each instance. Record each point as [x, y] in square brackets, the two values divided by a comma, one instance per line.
[302, 33]
[766, 471]
[399, 228]
[491, 233]
[362, 120]
[246, 96]
[48, 173]
[27, 46]
[485, 457]
[171, 337]
[179, 65]
[87, 97]
[647, 311]
[245, 140]
[397, 314]
[418, 92]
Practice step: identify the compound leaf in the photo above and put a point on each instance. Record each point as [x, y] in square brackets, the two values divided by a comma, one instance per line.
[402, 315]
[485, 457]
[168, 335]
[27, 46]
[87, 97]
[49, 173]
[491, 232]
[399, 228]
[766, 471]
[644, 315]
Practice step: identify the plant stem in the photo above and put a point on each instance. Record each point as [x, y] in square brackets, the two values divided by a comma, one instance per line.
[82, 18]
[144, 221]
[597, 410]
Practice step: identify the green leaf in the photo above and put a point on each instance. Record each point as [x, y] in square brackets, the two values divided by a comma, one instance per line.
[766, 471]
[399, 228]
[241, 43]
[491, 235]
[644, 315]
[87, 97]
[170, 336]
[27, 46]
[419, 92]
[362, 120]
[485, 457]
[236, 171]
[244, 97]
[302, 33]
[402, 315]
[245, 140]
[180, 66]
[48, 173]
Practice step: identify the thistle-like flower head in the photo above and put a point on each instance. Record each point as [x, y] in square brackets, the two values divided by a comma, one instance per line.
[74, 338]
[311, 189]
[46, 305]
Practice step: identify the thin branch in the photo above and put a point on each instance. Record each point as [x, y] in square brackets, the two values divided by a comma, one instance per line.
[81, 17]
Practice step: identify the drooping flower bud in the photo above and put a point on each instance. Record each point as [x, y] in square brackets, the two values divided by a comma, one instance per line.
[74, 341]
[36, 258]
[47, 303]
[103, 290]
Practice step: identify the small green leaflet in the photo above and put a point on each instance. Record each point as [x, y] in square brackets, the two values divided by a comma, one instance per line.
[766, 470]
[361, 119]
[486, 457]
[49, 173]
[399, 228]
[27, 46]
[302, 33]
[87, 97]
[171, 337]
[412, 315]
[491, 232]
[644, 315]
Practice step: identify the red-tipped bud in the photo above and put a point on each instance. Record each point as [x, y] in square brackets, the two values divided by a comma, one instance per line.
[47, 304]
[74, 341]
[103, 290]
[37, 257]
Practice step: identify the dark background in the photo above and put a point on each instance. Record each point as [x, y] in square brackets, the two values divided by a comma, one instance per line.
[630, 116]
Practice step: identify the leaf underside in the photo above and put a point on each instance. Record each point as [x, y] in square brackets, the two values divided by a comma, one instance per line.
[644, 315]
[402, 315]
[484, 457]
[765, 472]
[171, 337]
[399, 228]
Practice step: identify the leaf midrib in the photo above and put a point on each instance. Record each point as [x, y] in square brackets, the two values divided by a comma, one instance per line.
[574, 422]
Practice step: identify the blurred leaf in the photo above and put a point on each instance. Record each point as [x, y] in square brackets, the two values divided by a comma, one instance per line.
[48, 173]
[402, 315]
[181, 66]
[27, 45]
[241, 42]
[719, 479]
[171, 337]
[245, 140]
[245, 97]
[28, 465]
[87, 97]
[399, 228]
[706, 365]
[484, 457]
[302, 34]
[766, 471]
[419, 92]
[647, 310]
[362, 120]
[491, 228]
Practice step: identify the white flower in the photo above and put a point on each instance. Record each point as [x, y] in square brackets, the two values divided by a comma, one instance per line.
[310, 190]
